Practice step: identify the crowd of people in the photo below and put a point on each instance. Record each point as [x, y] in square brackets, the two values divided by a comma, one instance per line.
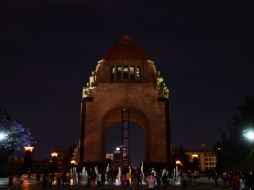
[152, 178]
[237, 179]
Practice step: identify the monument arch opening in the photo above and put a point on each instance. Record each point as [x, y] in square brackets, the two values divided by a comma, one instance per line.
[125, 87]
[135, 117]
[137, 144]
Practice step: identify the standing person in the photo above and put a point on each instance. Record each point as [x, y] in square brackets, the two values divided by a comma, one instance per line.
[158, 181]
[89, 180]
[128, 179]
[184, 179]
[123, 180]
[151, 181]
[44, 181]
[250, 180]
[165, 181]
[10, 182]
[38, 178]
[236, 182]
[19, 180]
[99, 179]
[216, 177]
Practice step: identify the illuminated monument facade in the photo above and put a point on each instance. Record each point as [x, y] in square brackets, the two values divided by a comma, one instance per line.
[125, 87]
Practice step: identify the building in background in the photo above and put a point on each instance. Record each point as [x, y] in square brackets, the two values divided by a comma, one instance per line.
[206, 158]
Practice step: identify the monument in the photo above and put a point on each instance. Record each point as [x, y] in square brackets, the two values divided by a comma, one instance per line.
[125, 87]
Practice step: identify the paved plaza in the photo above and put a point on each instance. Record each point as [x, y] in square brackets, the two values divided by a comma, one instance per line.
[203, 183]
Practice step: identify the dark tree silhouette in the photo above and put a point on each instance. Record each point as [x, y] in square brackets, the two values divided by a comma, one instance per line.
[235, 150]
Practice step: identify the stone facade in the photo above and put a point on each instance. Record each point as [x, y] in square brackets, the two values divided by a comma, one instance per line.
[125, 78]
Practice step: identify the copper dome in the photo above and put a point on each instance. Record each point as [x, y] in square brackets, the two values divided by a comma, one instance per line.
[126, 49]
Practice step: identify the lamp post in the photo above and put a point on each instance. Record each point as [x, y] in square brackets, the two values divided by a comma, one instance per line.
[28, 158]
[54, 161]
[3, 136]
[73, 173]
[195, 161]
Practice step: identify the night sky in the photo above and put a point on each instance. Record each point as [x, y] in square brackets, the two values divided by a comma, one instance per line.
[48, 49]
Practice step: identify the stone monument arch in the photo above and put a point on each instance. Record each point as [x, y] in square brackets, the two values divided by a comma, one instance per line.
[125, 87]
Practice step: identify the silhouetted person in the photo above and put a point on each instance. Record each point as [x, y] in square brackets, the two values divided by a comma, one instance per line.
[38, 177]
[10, 182]
[151, 181]
[165, 181]
[236, 182]
[44, 181]
[249, 181]
[216, 177]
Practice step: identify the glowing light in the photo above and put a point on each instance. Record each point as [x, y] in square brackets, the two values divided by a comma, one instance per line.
[249, 134]
[118, 148]
[54, 154]
[194, 155]
[73, 162]
[3, 136]
[178, 162]
[28, 148]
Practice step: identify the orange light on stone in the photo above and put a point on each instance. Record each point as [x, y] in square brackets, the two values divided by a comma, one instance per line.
[194, 155]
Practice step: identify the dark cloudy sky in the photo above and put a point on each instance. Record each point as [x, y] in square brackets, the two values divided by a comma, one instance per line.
[204, 50]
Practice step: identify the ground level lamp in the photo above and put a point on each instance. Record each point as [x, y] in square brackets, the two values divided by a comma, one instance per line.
[28, 158]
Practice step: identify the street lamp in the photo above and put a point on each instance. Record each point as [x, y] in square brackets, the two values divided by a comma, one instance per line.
[178, 162]
[73, 162]
[54, 154]
[54, 161]
[249, 134]
[28, 158]
[194, 155]
[29, 149]
[3, 136]
[73, 172]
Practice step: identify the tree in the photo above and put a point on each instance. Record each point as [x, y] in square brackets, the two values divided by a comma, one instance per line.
[14, 136]
[235, 149]
[242, 120]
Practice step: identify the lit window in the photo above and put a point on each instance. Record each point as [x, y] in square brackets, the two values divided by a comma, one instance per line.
[125, 73]
[119, 73]
[113, 73]
[132, 73]
[138, 77]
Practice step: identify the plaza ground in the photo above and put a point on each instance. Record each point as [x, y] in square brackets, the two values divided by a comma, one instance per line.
[203, 183]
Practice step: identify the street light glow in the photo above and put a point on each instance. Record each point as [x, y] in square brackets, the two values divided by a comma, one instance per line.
[117, 148]
[249, 134]
[28, 148]
[3, 136]
[54, 154]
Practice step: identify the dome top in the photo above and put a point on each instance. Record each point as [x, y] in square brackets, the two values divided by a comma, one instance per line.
[126, 49]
